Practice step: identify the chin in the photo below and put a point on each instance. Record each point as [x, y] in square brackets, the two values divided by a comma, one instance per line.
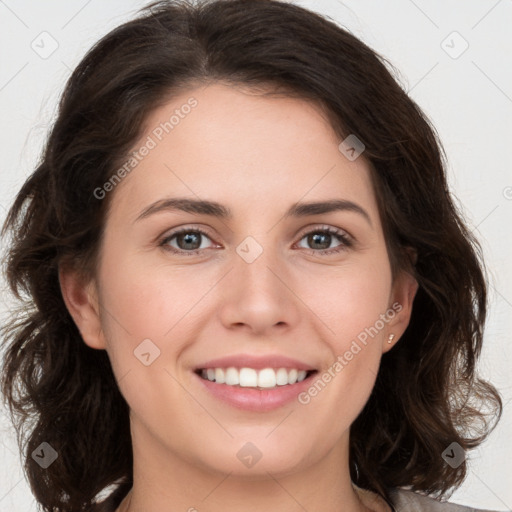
[254, 460]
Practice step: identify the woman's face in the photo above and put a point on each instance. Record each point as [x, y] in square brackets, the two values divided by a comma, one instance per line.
[268, 281]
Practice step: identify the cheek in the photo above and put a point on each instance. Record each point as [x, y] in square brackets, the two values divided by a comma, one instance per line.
[148, 300]
[356, 308]
[361, 303]
[348, 299]
[155, 310]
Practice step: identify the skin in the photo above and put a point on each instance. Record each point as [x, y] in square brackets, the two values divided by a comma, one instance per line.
[257, 156]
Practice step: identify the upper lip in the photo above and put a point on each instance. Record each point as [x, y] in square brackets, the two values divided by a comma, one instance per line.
[256, 362]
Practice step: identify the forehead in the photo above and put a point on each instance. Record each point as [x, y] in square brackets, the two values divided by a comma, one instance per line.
[235, 146]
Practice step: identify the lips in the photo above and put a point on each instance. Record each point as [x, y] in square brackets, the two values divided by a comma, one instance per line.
[255, 383]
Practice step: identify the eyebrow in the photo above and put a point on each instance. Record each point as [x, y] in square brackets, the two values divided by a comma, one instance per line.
[204, 207]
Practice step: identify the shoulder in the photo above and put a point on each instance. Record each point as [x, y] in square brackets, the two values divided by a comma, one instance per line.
[409, 501]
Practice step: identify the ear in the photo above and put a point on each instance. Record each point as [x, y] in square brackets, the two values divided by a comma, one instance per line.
[81, 299]
[402, 296]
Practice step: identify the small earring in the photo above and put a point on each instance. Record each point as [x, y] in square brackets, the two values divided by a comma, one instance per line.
[391, 337]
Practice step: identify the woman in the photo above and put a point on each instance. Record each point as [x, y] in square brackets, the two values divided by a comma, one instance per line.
[188, 346]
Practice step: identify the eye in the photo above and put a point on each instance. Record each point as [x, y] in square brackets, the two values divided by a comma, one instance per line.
[187, 239]
[324, 236]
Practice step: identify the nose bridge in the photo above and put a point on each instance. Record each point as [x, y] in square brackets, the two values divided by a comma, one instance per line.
[257, 263]
[257, 293]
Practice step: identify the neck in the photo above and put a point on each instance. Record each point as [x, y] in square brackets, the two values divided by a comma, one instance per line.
[163, 481]
[169, 477]
[369, 502]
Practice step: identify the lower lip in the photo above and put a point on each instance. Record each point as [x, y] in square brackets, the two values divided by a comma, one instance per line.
[259, 400]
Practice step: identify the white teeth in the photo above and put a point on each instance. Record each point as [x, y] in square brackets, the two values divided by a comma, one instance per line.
[301, 375]
[248, 378]
[281, 377]
[232, 377]
[220, 377]
[251, 378]
[267, 378]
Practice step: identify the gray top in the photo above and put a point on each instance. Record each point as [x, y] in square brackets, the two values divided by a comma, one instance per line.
[409, 501]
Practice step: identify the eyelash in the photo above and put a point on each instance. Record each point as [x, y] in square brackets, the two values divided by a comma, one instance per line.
[347, 241]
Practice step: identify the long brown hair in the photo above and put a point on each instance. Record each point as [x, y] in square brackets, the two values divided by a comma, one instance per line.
[427, 394]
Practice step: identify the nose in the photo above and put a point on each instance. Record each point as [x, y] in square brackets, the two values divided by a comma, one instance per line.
[258, 293]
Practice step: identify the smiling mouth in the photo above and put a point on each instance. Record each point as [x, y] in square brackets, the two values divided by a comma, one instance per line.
[266, 378]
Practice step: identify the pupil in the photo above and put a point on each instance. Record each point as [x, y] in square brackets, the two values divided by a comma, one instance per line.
[315, 238]
[190, 239]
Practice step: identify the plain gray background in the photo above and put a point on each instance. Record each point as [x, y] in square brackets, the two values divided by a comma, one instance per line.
[454, 59]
